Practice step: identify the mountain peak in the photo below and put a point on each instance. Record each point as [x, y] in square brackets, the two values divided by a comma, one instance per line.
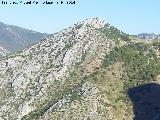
[81, 72]
[95, 22]
[87, 25]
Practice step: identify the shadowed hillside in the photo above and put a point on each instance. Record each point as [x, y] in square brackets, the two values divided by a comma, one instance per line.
[146, 101]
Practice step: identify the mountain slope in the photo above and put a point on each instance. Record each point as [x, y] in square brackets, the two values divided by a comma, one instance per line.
[82, 72]
[13, 38]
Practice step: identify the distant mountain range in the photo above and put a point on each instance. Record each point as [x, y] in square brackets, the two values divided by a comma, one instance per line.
[13, 38]
[147, 36]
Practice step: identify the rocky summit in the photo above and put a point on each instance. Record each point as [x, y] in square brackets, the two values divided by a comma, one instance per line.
[80, 73]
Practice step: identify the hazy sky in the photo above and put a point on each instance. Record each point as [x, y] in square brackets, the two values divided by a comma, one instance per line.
[131, 16]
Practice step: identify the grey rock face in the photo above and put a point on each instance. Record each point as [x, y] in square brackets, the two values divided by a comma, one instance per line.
[43, 78]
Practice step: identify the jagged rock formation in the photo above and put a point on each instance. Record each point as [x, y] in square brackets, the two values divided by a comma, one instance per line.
[63, 77]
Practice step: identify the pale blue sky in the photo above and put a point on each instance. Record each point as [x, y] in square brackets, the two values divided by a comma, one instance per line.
[130, 16]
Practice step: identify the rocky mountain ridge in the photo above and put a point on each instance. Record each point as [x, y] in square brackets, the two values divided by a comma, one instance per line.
[147, 36]
[77, 73]
[53, 60]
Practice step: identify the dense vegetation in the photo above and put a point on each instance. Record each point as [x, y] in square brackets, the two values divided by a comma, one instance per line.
[156, 43]
[140, 62]
[113, 33]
